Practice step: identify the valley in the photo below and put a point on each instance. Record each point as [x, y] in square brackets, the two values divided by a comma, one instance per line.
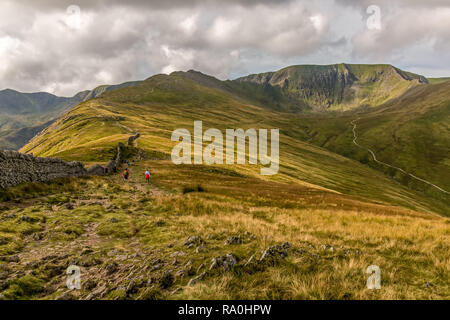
[362, 180]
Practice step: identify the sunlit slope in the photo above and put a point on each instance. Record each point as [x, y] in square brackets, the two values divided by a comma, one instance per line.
[162, 103]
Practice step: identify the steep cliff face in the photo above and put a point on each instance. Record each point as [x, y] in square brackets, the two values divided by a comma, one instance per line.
[340, 86]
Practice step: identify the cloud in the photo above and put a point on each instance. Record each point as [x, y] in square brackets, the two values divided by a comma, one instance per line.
[49, 45]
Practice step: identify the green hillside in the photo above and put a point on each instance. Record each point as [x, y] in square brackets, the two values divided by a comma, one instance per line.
[225, 231]
[162, 104]
[438, 80]
[23, 115]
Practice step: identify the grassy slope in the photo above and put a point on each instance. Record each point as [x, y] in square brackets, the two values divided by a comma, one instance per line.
[141, 229]
[438, 80]
[164, 103]
[410, 132]
[152, 222]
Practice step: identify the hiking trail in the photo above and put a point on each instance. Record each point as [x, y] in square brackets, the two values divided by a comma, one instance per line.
[355, 138]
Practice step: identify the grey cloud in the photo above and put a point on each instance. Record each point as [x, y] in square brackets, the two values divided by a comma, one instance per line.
[42, 49]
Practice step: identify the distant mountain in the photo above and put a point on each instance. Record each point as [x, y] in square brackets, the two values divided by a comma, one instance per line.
[315, 147]
[331, 87]
[23, 115]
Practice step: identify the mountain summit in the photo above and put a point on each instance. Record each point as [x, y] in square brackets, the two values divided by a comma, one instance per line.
[335, 87]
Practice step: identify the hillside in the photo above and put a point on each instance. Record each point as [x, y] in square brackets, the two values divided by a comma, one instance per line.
[411, 132]
[162, 104]
[221, 231]
[23, 115]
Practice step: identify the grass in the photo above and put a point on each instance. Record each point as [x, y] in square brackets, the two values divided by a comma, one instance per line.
[152, 222]
[154, 108]
[129, 238]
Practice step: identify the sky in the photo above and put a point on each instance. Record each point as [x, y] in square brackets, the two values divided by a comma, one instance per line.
[67, 46]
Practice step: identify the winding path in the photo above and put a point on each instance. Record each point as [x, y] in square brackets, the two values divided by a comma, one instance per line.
[355, 137]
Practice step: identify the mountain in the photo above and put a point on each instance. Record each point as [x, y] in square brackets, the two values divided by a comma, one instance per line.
[334, 87]
[225, 231]
[22, 115]
[161, 104]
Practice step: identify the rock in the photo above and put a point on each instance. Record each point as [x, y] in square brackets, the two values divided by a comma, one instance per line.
[226, 262]
[111, 267]
[65, 296]
[11, 215]
[177, 290]
[328, 247]
[166, 280]
[96, 170]
[68, 206]
[14, 258]
[193, 240]
[200, 267]
[193, 281]
[275, 252]
[200, 248]
[89, 284]
[250, 260]
[178, 254]
[233, 240]
[156, 267]
[26, 219]
[38, 236]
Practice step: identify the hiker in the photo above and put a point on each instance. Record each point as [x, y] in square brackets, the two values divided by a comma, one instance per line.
[147, 176]
[126, 174]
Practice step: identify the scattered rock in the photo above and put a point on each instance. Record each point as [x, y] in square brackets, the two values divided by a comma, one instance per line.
[14, 258]
[38, 236]
[178, 254]
[27, 219]
[233, 240]
[111, 267]
[275, 252]
[200, 277]
[193, 240]
[65, 296]
[11, 215]
[226, 262]
[200, 248]
[250, 260]
[89, 284]
[328, 247]
[156, 267]
[200, 267]
[68, 206]
[166, 280]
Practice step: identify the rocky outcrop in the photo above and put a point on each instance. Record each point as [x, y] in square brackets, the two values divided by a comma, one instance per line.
[131, 139]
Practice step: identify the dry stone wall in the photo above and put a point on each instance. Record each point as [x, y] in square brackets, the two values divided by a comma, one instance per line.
[16, 168]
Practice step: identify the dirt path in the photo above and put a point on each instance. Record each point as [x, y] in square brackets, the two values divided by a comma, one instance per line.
[355, 137]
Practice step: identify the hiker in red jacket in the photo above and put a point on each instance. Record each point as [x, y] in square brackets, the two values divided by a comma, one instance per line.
[147, 176]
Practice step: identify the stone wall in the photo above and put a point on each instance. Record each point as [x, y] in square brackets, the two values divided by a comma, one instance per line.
[16, 168]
